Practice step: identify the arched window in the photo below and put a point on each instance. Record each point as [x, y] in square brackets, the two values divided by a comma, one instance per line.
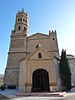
[26, 21]
[19, 27]
[53, 38]
[21, 19]
[39, 55]
[18, 19]
[24, 28]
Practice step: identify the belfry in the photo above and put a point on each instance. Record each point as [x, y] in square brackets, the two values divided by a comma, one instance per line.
[32, 65]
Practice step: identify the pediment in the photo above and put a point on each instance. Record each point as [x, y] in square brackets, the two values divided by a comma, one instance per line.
[44, 54]
[38, 36]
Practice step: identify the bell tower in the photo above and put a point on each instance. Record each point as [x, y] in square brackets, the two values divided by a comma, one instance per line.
[21, 23]
[17, 49]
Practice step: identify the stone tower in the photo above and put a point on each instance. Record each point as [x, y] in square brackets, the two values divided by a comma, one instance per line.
[17, 49]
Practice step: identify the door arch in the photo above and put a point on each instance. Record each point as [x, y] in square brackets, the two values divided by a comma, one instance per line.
[40, 81]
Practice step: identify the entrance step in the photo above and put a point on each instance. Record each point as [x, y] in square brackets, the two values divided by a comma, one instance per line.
[56, 94]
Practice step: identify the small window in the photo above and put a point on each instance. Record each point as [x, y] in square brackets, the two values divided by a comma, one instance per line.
[37, 46]
[24, 28]
[19, 28]
[26, 21]
[39, 55]
[53, 38]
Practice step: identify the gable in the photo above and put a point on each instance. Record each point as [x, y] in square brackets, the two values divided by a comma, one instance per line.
[35, 55]
[38, 36]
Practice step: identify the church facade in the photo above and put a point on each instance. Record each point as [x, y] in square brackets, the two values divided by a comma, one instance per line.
[32, 65]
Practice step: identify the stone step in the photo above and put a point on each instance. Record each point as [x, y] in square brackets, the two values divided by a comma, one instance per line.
[57, 94]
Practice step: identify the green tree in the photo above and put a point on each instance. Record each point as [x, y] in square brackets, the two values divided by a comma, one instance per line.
[65, 72]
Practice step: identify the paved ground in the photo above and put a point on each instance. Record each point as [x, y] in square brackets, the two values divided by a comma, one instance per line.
[68, 96]
[11, 94]
[3, 98]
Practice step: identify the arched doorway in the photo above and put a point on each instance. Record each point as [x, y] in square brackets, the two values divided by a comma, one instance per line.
[40, 81]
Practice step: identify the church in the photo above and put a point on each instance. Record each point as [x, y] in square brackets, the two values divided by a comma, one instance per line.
[32, 64]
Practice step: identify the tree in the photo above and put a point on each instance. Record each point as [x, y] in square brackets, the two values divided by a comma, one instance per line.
[65, 72]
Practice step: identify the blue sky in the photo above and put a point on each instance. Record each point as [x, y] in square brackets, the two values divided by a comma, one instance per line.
[44, 15]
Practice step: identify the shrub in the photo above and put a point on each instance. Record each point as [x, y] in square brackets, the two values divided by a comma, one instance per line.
[3, 88]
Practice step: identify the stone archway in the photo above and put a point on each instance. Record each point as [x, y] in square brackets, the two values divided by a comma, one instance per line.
[40, 81]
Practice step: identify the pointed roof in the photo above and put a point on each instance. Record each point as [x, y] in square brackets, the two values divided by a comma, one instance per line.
[38, 35]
